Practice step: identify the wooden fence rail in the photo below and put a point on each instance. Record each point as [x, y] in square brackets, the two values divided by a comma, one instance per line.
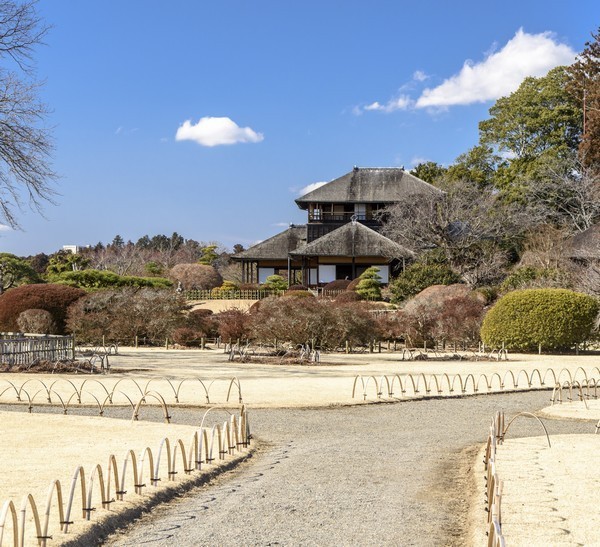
[25, 349]
[230, 295]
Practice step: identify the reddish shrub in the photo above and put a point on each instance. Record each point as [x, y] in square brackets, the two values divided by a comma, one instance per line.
[348, 296]
[195, 276]
[353, 284]
[184, 336]
[299, 294]
[232, 325]
[337, 285]
[297, 288]
[53, 298]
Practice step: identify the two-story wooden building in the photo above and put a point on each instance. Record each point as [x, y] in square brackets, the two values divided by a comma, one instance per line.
[341, 238]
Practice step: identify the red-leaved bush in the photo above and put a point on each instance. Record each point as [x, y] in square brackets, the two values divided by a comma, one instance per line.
[53, 298]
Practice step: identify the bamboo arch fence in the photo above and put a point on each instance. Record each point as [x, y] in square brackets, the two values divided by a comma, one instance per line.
[108, 485]
[444, 385]
[66, 393]
[493, 484]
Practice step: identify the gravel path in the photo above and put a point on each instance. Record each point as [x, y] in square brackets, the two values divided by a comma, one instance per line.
[372, 475]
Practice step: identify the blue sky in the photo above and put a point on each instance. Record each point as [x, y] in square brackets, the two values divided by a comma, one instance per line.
[147, 94]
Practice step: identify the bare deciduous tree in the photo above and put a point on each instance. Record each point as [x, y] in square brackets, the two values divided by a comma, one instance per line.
[470, 225]
[568, 194]
[25, 142]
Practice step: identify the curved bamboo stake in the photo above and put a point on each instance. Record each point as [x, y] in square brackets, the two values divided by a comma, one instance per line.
[402, 390]
[500, 382]
[412, 381]
[515, 384]
[377, 392]
[194, 455]
[108, 393]
[28, 500]
[9, 506]
[136, 483]
[164, 443]
[54, 486]
[140, 473]
[34, 380]
[97, 471]
[14, 387]
[112, 466]
[356, 378]
[437, 383]
[582, 370]
[159, 398]
[224, 441]
[553, 376]
[79, 474]
[522, 371]
[448, 383]
[187, 470]
[557, 389]
[454, 378]
[531, 416]
[487, 383]
[464, 386]
[235, 381]
[568, 372]
[539, 377]
[387, 381]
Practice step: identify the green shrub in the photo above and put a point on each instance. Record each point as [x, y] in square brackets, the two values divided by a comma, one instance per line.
[275, 283]
[50, 297]
[419, 276]
[105, 279]
[369, 286]
[530, 277]
[530, 318]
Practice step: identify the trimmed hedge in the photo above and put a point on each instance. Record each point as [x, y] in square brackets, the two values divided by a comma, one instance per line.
[553, 319]
[50, 297]
[105, 279]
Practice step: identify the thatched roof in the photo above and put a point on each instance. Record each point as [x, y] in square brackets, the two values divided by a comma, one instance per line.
[586, 244]
[353, 239]
[277, 247]
[368, 185]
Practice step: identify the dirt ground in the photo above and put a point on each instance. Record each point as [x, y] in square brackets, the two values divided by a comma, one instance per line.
[190, 377]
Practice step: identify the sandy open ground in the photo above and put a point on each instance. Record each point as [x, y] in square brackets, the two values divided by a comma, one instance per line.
[173, 374]
[37, 449]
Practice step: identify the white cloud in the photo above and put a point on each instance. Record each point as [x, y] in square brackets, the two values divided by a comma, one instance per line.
[501, 72]
[211, 131]
[402, 102]
[5, 228]
[310, 188]
[281, 224]
[419, 76]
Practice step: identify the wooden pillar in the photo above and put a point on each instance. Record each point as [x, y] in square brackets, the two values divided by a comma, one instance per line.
[289, 276]
[353, 267]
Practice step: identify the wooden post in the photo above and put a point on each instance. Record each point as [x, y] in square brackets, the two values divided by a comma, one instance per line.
[540, 349]
[347, 347]
[167, 342]
[203, 343]
[370, 346]
[136, 341]
[379, 344]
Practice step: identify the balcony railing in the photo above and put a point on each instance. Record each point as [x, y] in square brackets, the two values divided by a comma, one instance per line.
[322, 216]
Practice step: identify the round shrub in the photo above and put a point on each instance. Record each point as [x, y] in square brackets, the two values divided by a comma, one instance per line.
[53, 298]
[195, 276]
[297, 288]
[36, 321]
[547, 318]
[419, 276]
[337, 285]
[348, 296]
